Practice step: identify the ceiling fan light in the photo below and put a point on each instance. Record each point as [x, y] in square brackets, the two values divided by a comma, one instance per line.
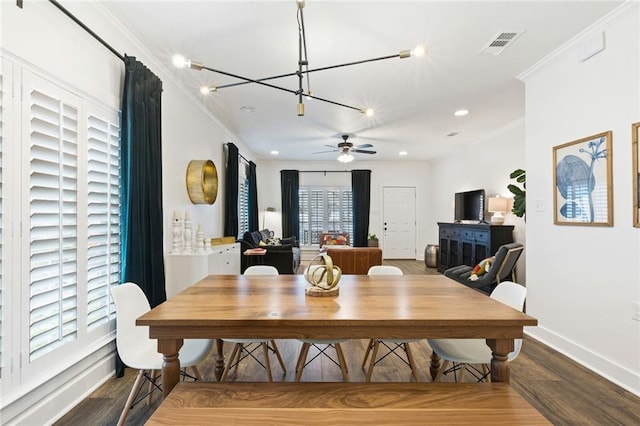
[345, 157]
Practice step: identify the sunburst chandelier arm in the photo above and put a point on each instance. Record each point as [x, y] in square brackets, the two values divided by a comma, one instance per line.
[308, 71]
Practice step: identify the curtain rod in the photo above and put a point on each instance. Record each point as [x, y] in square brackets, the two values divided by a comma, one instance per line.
[239, 155]
[87, 29]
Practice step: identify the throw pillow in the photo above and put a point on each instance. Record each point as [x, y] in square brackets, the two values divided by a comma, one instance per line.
[262, 243]
[481, 268]
[273, 241]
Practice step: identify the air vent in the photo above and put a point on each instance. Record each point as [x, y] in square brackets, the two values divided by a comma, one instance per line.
[500, 42]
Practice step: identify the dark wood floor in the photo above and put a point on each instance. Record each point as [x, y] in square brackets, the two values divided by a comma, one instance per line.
[563, 391]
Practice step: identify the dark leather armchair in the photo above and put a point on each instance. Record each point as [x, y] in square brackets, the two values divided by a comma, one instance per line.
[502, 269]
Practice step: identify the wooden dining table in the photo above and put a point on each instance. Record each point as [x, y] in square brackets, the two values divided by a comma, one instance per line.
[276, 307]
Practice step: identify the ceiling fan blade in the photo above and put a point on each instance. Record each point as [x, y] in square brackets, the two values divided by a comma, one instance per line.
[364, 145]
[324, 152]
[362, 151]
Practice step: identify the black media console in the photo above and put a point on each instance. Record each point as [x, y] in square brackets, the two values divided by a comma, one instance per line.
[468, 244]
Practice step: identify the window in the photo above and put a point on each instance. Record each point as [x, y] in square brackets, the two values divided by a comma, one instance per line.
[63, 189]
[324, 210]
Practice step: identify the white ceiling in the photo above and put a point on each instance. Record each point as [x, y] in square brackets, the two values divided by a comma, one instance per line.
[414, 99]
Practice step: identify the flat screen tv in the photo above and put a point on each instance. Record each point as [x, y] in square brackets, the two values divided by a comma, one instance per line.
[469, 205]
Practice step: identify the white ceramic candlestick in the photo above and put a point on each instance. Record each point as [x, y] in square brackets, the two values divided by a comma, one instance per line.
[188, 234]
[199, 239]
[177, 234]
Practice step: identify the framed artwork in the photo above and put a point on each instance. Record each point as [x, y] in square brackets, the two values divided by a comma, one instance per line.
[635, 132]
[583, 182]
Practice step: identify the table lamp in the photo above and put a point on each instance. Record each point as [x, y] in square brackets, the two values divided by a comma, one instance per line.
[497, 206]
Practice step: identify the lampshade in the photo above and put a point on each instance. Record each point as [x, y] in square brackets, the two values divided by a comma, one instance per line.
[267, 217]
[497, 206]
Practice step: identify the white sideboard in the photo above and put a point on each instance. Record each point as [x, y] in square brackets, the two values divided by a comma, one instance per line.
[184, 270]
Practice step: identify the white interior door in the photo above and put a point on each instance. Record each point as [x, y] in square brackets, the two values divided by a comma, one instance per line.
[399, 223]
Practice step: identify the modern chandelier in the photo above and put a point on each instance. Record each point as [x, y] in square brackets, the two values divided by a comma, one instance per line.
[302, 71]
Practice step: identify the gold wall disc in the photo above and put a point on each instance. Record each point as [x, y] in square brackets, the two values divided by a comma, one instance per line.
[202, 181]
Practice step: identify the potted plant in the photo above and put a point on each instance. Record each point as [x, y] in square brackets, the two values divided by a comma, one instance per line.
[373, 240]
[519, 194]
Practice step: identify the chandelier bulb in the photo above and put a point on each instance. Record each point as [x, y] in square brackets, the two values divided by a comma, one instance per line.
[419, 51]
[205, 90]
[180, 61]
[367, 111]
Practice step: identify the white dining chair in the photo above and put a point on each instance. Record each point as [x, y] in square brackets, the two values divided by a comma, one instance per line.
[138, 351]
[393, 346]
[261, 270]
[322, 345]
[245, 348]
[465, 353]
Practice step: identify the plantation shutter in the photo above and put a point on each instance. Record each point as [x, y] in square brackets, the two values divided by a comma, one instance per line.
[243, 206]
[103, 218]
[346, 213]
[316, 214]
[303, 214]
[324, 210]
[53, 183]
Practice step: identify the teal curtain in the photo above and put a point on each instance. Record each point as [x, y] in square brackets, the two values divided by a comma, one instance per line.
[289, 186]
[361, 196]
[231, 192]
[253, 197]
[141, 181]
[141, 184]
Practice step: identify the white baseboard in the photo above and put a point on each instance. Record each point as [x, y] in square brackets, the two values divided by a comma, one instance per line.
[44, 406]
[621, 376]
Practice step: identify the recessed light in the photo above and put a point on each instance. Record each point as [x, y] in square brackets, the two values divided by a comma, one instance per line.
[403, 153]
[461, 112]
[274, 152]
[247, 108]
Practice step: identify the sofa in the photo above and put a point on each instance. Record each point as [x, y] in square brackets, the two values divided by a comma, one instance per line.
[283, 254]
[355, 260]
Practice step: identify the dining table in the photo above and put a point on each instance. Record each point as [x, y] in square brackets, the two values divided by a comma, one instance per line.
[366, 307]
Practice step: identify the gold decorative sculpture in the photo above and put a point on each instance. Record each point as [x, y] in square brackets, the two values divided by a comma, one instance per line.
[202, 182]
[323, 277]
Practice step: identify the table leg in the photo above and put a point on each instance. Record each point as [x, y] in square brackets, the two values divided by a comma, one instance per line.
[434, 367]
[219, 359]
[500, 348]
[171, 364]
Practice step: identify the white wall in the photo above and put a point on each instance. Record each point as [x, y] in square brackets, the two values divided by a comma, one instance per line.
[383, 173]
[582, 280]
[42, 38]
[484, 165]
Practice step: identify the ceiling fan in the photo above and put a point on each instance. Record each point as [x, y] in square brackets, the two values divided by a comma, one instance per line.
[346, 148]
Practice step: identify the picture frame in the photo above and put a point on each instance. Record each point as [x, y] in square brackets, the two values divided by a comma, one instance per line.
[635, 155]
[583, 181]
